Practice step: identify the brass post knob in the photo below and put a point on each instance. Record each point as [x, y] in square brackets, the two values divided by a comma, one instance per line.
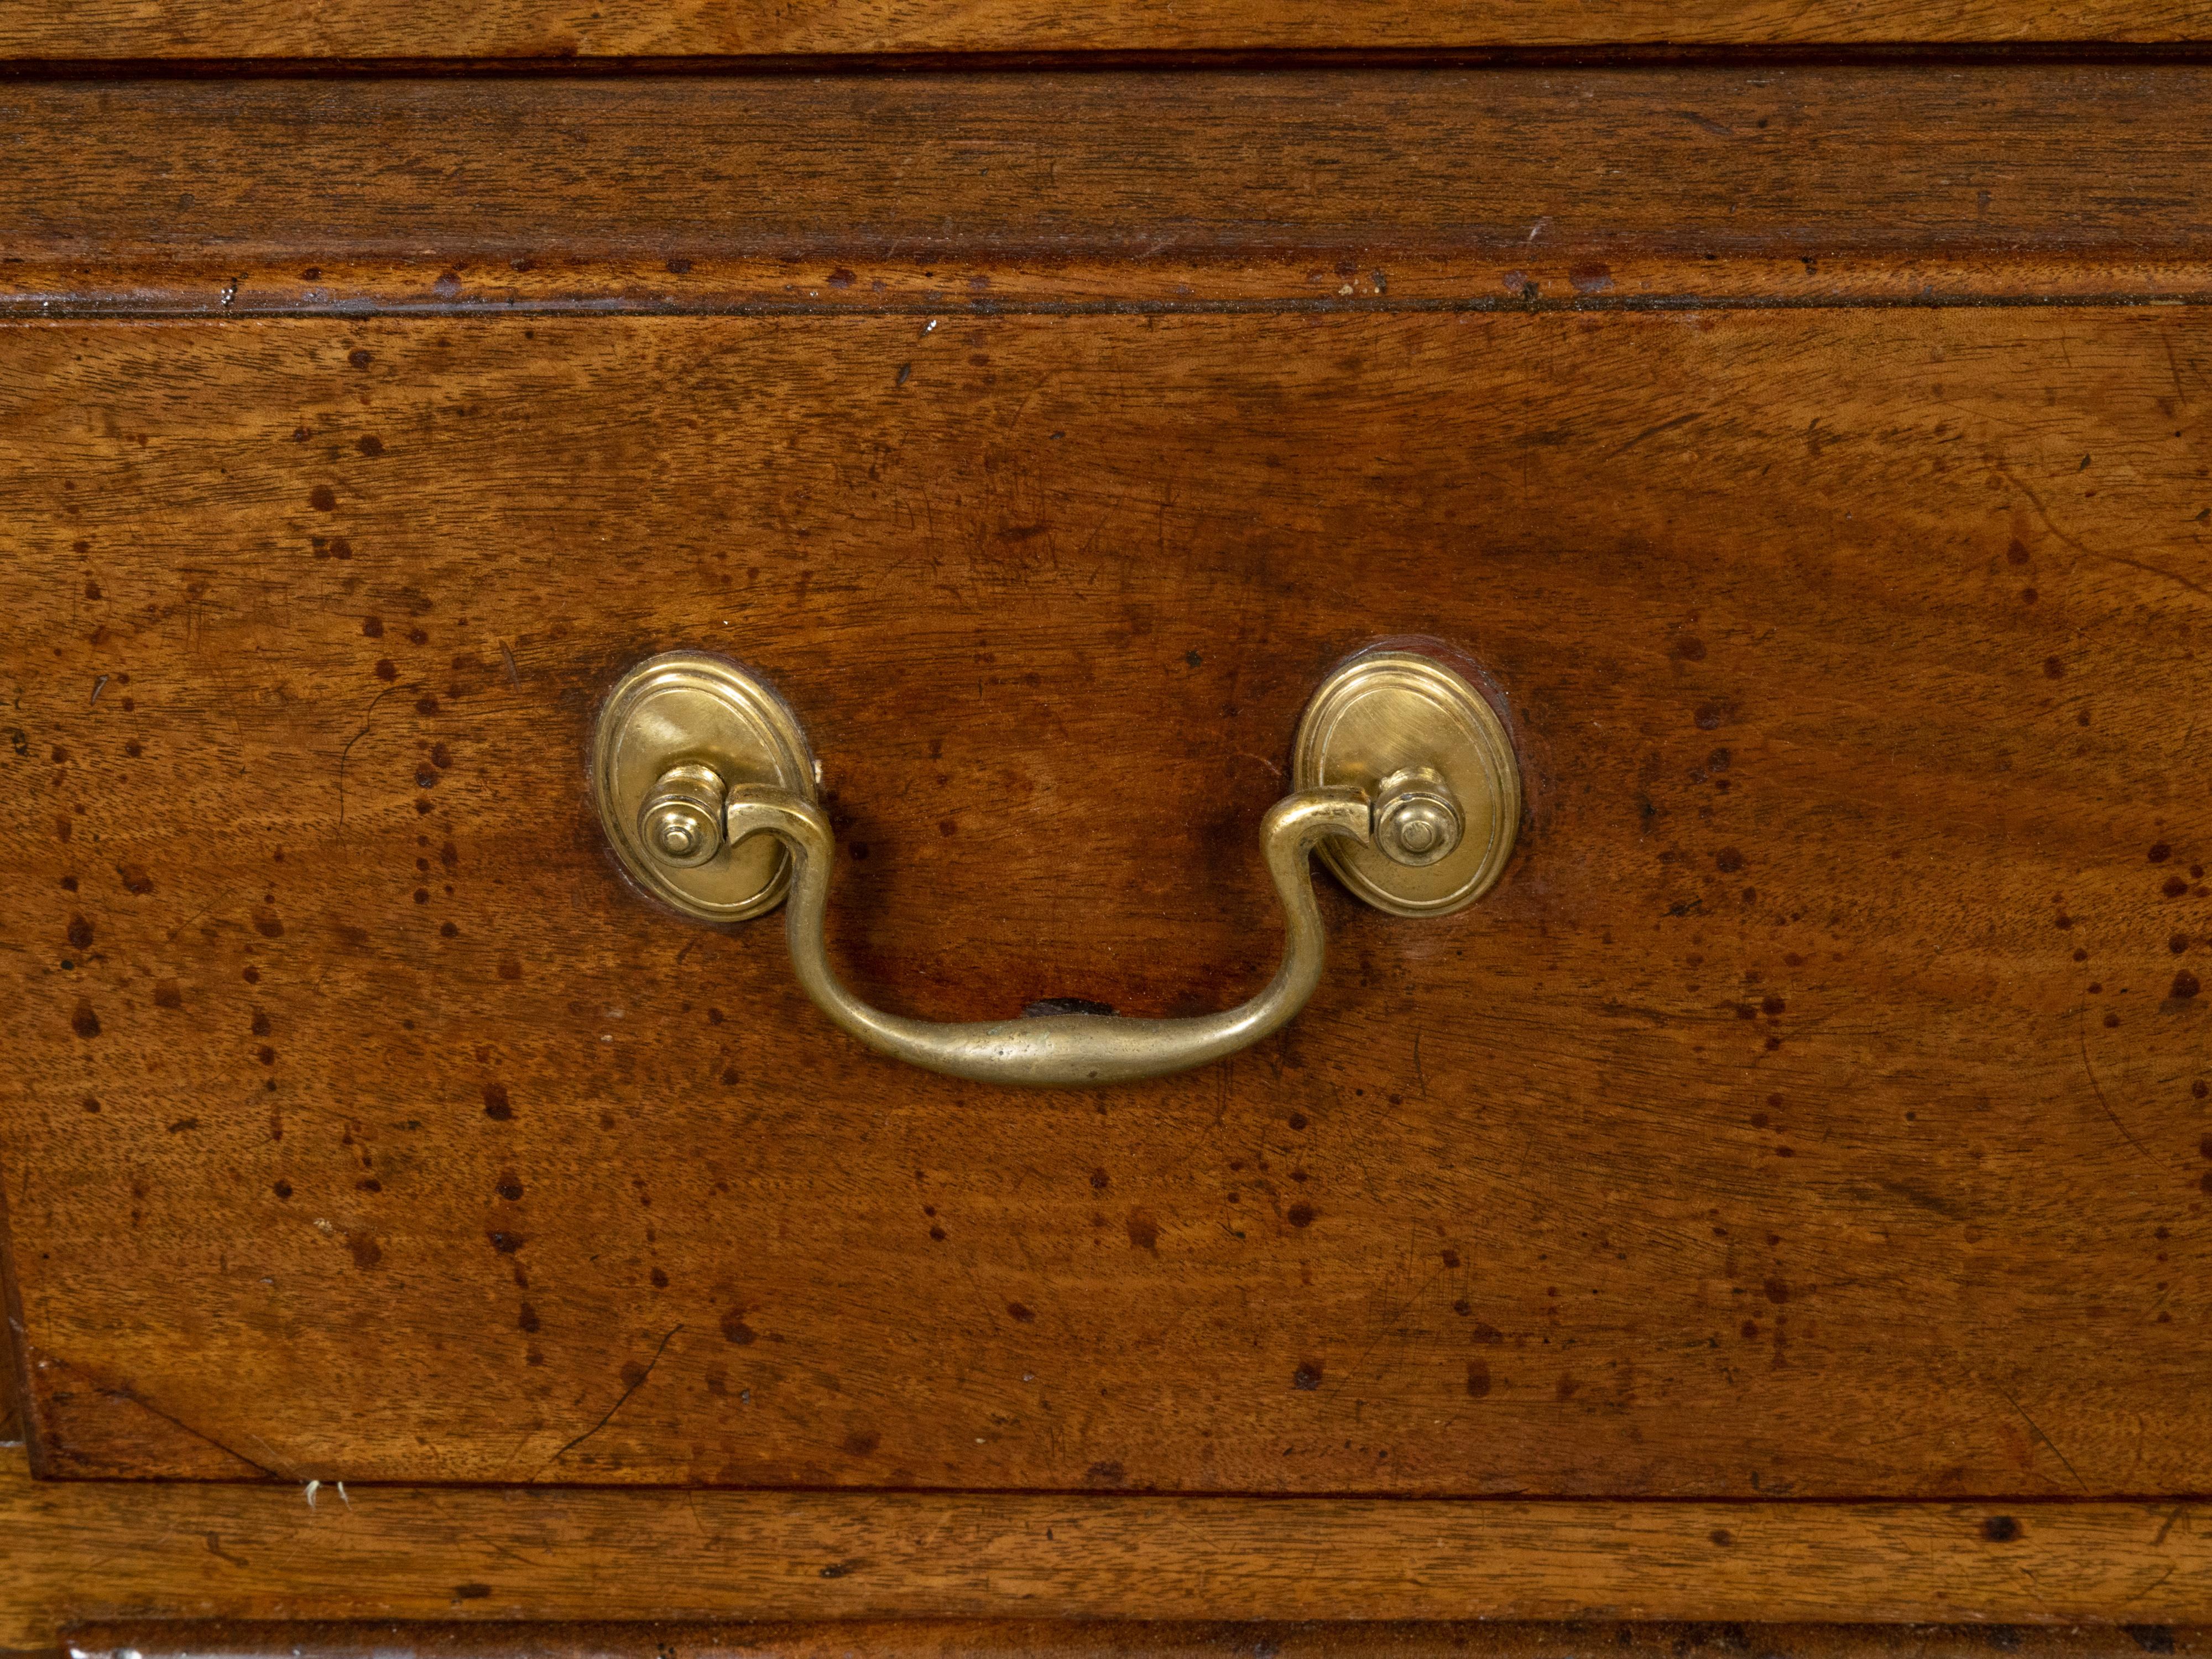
[681, 821]
[1417, 817]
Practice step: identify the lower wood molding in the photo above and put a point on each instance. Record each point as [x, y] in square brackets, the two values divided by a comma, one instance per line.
[92, 1550]
[1156, 1639]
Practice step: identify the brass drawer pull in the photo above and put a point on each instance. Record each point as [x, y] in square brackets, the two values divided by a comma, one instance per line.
[1403, 779]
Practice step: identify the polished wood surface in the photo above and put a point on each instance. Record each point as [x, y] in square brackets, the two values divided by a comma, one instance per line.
[83, 1551]
[1156, 1639]
[1818, 1109]
[1582, 187]
[568, 29]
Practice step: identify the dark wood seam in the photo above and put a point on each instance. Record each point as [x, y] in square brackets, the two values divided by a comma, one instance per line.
[1255, 60]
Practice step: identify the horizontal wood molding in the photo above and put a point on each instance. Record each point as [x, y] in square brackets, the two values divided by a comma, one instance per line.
[1016, 1637]
[1320, 187]
[970, 284]
[99, 1550]
[535, 28]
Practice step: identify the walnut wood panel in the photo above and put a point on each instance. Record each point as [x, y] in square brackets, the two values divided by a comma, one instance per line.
[1819, 1109]
[1159, 1639]
[1780, 185]
[562, 29]
[82, 1551]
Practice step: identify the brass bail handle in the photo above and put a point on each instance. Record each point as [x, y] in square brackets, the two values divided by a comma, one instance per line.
[1403, 779]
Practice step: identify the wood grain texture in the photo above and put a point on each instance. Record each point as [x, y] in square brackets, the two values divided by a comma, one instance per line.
[563, 28]
[1819, 1109]
[1487, 186]
[83, 1551]
[1156, 1638]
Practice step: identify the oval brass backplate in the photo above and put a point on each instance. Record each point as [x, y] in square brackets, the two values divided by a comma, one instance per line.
[1386, 711]
[690, 709]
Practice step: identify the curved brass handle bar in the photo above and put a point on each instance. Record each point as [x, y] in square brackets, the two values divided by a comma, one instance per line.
[1060, 1050]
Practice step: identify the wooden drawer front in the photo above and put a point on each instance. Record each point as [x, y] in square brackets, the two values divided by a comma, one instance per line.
[1818, 1108]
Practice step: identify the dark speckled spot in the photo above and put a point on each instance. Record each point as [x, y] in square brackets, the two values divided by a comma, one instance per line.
[84, 1021]
[1307, 1377]
[734, 1328]
[2001, 1529]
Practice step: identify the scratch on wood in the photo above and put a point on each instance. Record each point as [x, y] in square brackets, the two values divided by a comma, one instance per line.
[2037, 1429]
[2081, 1031]
[2087, 551]
[618, 1404]
[144, 1404]
[347, 750]
[1652, 431]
